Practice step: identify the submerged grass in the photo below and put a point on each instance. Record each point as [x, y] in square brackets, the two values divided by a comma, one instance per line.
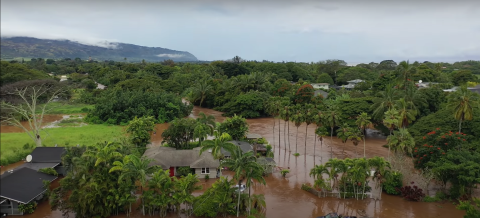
[68, 108]
[13, 149]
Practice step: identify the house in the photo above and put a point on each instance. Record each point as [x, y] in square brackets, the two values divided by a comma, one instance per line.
[453, 89]
[422, 85]
[475, 89]
[47, 157]
[321, 92]
[253, 136]
[21, 186]
[245, 146]
[172, 159]
[267, 163]
[352, 83]
[320, 85]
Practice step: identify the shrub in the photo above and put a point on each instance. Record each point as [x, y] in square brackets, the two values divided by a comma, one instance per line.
[392, 183]
[296, 154]
[49, 171]
[184, 171]
[284, 172]
[27, 208]
[411, 193]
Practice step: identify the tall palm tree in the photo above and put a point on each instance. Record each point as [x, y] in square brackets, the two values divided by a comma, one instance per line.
[391, 121]
[363, 121]
[286, 114]
[254, 173]
[331, 118]
[407, 112]
[385, 102]
[216, 145]
[405, 69]
[334, 168]
[381, 168]
[272, 108]
[134, 168]
[298, 118]
[200, 90]
[342, 133]
[401, 140]
[463, 101]
[309, 118]
[240, 163]
[321, 132]
[355, 135]
[103, 152]
[207, 120]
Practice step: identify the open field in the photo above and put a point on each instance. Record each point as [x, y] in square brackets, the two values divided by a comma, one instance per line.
[12, 149]
[68, 108]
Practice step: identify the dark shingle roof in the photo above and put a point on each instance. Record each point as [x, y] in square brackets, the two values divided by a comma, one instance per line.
[23, 185]
[47, 154]
[245, 146]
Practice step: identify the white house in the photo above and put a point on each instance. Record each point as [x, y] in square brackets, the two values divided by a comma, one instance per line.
[352, 83]
[320, 85]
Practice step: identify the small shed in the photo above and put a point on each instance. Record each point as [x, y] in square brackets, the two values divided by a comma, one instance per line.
[21, 186]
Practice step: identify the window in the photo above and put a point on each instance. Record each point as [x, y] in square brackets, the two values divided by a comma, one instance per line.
[205, 170]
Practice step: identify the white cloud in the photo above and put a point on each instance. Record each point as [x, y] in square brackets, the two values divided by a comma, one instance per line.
[170, 55]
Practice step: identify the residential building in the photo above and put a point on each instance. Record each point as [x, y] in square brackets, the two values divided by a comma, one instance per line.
[321, 92]
[172, 159]
[352, 83]
[245, 146]
[21, 186]
[47, 157]
[320, 85]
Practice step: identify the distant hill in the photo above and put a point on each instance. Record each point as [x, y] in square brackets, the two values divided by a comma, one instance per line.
[27, 47]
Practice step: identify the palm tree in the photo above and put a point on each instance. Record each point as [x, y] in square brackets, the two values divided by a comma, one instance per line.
[256, 173]
[463, 101]
[286, 116]
[401, 140]
[334, 168]
[321, 132]
[200, 91]
[207, 120]
[355, 135]
[309, 118]
[405, 69]
[407, 112]
[385, 102]
[298, 118]
[240, 163]
[216, 145]
[381, 168]
[391, 121]
[331, 117]
[103, 153]
[134, 168]
[363, 121]
[343, 133]
[272, 108]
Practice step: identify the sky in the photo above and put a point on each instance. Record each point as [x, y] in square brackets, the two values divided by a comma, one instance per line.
[358, 31]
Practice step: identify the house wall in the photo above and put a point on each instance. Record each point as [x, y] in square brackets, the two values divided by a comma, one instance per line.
[212, 174]
[60, 170]
[6, 207]
[316, 86]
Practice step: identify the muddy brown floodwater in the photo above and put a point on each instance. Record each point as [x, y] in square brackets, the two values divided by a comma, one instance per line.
[284, 196]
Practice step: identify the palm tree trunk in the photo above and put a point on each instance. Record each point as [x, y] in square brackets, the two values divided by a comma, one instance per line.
[314, 145]
[289, 136]
[249, 201]
[364, 139]
[321, 147]
[279, 129]
[273, 133]
[284, 135]
[389, 147]
[331, 141]
[238, 204]
[306, 130]
[296, 142]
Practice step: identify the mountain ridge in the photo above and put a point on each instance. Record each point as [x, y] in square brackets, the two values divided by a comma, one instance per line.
[30, 47]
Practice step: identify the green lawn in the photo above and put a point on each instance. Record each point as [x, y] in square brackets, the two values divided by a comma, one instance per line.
[68, 108]
[12, 149]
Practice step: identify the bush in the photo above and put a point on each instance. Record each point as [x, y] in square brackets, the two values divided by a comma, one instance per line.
[236, 127]
[49, 171]
[27, 208]
[184, 171]
[284, 172]
[411, 193]
[393, 182]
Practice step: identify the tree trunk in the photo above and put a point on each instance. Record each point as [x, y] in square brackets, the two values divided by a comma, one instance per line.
[279, 129]
[238, 204]
[249, 201]
[38, 140]
[284, 135]
[306, 131]
[389, 147]
[273, 143]
[321, 147]
[289, 136]
[314, 146]
[296, 142]
[364, 139]
[460, 130]
[331, 141]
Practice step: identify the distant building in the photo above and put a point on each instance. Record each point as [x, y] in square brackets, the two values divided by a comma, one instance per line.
[422, 85]
[321, 92]
[475, 89]
[453, 89]
[352, 83]
[320, 85]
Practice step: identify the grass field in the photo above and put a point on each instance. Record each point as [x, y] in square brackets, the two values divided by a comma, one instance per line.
[12, 149]
[68, 108]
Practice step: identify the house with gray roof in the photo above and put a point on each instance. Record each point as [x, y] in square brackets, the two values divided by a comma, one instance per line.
[21, 186]
[245, 146]
[47, 157]
[172, 159]
[321, 92]
[352, 83]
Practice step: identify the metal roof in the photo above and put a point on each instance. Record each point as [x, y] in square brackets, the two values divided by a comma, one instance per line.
[23, 185]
